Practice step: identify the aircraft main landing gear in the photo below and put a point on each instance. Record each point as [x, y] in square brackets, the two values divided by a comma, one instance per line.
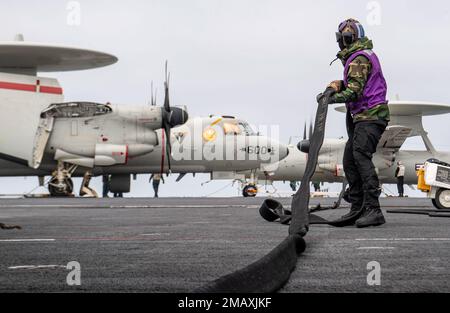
[61, 184]
[85, 190]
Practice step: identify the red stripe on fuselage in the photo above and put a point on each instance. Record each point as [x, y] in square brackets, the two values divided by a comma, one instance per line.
[17, 86]
[52, 90]
[31, 88]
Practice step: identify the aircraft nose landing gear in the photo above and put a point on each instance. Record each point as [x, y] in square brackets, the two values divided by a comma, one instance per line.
[250, 191]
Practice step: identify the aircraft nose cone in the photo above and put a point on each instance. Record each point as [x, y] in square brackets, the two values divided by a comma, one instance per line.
[178, 116]
[303, 146]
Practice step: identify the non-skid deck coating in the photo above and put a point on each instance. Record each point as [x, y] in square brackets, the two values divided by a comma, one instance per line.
[178, 244]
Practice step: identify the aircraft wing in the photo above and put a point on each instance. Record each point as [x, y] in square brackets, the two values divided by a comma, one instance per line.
[394, 137]
[410, 114]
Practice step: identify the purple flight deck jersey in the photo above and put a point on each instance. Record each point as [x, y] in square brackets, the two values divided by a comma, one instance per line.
[376, 88]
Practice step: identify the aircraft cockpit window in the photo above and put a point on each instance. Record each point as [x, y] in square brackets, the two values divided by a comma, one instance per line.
[77, 109]
[103, 109]
[231, 129]
[247, 129]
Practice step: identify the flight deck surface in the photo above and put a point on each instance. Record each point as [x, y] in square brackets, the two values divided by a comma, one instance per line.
[179, 244]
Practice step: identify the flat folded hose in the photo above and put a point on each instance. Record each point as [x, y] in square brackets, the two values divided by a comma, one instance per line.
[430, 213]
[271, 272]
[300, 202]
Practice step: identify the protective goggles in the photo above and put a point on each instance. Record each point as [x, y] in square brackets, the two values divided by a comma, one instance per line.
[345, 37]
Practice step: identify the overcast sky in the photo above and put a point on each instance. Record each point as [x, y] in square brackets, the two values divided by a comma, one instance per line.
[263, 61]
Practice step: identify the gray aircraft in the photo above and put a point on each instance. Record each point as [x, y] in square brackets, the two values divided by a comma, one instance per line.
[43, 135]
[37, 127]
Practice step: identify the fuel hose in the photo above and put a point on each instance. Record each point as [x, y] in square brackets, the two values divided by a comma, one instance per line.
[271, 272]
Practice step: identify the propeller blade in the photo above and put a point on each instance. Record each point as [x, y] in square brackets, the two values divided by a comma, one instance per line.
[304, 132]
[166, 98]
[152, 101]
[168, 146]
[311, 129]
[166, 91]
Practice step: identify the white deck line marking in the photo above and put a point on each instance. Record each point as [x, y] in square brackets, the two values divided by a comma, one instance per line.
[31, 267]
[403, 239]
[195, 241]
[27, 240]
[376, 248]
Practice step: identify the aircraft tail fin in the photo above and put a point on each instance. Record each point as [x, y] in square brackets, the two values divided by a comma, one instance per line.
[22, 99]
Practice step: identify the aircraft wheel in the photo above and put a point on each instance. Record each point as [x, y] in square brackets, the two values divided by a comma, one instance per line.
[60, 190]
[250, 191]
[442, 199]
[269, 210]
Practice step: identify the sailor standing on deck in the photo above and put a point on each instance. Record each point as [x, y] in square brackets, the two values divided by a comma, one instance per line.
[105, 180]
[156, 181]
[400, 174]
[364, 90]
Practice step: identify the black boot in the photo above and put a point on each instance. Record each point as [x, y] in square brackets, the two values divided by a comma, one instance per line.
[371, 217]
[348, 219]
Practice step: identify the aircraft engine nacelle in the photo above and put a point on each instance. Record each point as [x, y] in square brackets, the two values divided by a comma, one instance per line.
[105, 155]
[328, 166]
[330, 156]
[108, 155]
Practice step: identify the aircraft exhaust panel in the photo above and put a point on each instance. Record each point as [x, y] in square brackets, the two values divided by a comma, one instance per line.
[272, 272]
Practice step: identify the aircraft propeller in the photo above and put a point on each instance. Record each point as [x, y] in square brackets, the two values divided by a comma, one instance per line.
[171, 117]
[167, 114]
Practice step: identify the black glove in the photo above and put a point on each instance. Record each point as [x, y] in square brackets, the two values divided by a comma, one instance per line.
[328, 93]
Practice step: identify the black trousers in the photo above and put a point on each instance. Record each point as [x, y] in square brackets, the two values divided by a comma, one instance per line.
[364, 186]
[105, 180]
[156, 186]
[105, 189]
[400, 183]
